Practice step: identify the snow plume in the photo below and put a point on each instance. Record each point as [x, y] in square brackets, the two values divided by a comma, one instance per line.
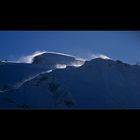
[77, 63]
[29, 58]
[60, 66]
[99, 56]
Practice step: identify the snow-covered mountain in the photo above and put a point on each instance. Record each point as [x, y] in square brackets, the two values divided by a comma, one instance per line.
[97, 83]
[12, 74]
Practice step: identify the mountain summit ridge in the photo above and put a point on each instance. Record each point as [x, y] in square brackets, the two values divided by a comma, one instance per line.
[97, 83]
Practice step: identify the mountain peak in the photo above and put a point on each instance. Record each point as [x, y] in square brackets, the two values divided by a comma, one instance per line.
[45, 57]
[52, 59]
[97, 60]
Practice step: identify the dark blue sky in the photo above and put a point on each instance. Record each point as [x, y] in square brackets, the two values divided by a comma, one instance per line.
[123, 45]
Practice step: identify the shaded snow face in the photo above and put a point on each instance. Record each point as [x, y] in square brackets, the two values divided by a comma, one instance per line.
[103, 84]
[42, 91]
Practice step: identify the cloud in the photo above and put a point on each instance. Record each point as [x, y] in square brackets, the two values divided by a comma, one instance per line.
[29, 58]
[93, 56]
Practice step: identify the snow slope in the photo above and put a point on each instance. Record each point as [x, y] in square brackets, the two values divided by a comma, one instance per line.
[11, 74]
[40, 92]
[102, 83]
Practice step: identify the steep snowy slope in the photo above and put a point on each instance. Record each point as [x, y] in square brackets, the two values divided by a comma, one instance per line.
[40, 92]
[98, 83]
[12, 74]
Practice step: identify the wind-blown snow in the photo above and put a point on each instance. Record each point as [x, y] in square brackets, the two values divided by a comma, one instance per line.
[29, 58]
[60, 66]
[77, 63]
[93, 56]
[74, 64]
